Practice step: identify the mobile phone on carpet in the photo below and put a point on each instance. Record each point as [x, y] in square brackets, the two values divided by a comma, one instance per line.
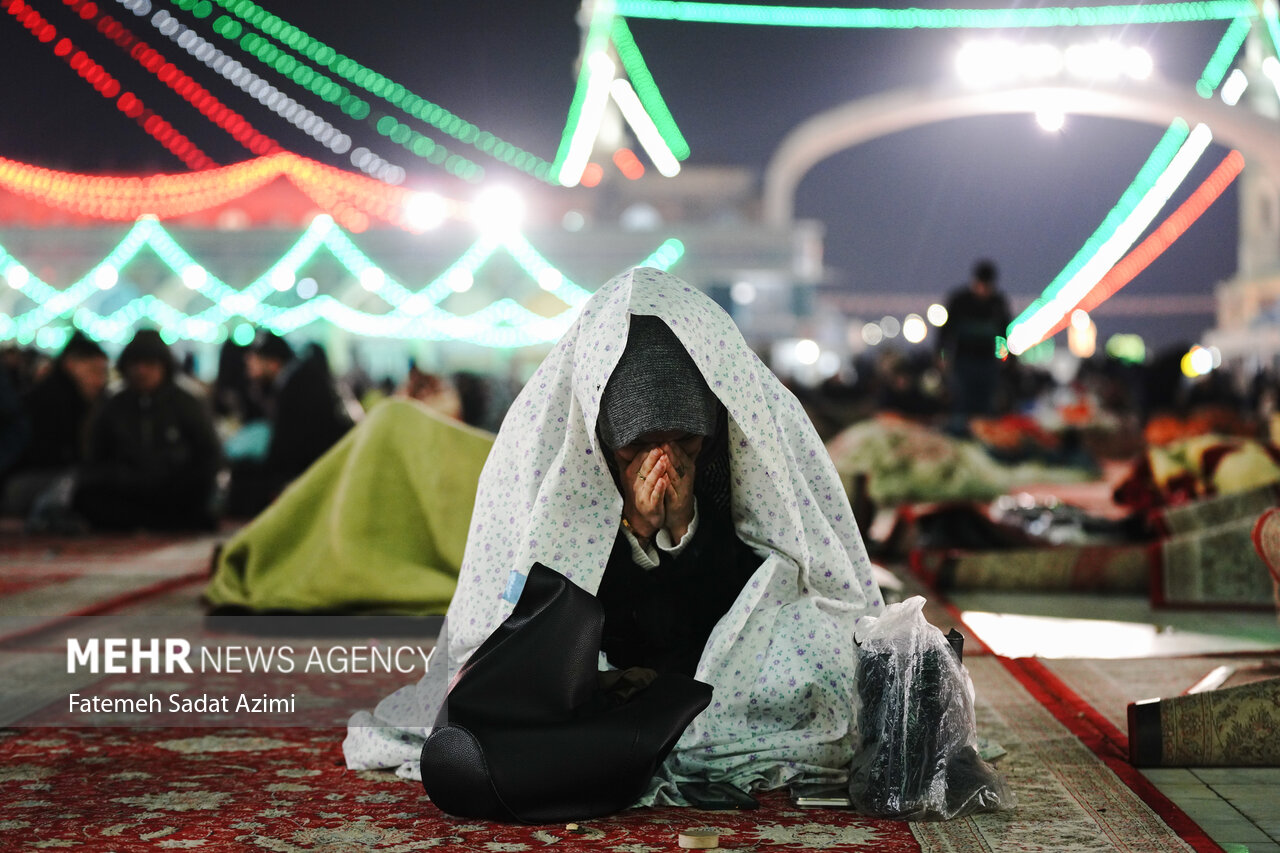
[821, 796]
[717, 796]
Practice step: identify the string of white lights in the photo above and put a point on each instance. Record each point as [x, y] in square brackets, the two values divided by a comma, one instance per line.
[265, 93]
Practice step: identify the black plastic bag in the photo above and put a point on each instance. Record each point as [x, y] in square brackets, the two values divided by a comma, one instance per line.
[918, 757]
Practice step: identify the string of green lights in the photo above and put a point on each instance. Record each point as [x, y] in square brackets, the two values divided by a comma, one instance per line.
[304, 75]
[871, 18]
[414, 314]
[1153, 171]
[365, 78]
[595, 45]
[646, 89]
[1157, 162]
[1223, 56]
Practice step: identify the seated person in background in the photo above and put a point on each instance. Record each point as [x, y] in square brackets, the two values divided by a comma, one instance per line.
[655, 461]
[306, 415]
[153, 453]
[57, 409]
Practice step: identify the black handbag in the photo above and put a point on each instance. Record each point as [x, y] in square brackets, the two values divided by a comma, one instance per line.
[528, 734]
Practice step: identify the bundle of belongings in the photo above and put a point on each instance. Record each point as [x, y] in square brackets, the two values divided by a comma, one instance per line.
[907, 462]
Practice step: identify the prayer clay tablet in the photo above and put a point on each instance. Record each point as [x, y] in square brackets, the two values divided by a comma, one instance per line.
[699, 839]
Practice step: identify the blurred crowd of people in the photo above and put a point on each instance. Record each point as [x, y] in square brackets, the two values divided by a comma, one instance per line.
[141, 444]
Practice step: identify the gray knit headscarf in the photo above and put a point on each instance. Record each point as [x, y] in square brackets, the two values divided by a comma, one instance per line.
[655, 387]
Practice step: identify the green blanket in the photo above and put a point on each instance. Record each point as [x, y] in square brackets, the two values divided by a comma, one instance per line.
[376, 524]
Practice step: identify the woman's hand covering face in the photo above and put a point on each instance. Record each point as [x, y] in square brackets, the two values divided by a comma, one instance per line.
[658, 474]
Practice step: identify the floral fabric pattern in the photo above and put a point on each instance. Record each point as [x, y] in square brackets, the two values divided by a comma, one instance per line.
[781, 660]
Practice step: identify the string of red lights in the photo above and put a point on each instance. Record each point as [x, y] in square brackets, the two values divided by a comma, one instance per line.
[1177, 223]
[181, 83]
[107, 86]
[349, 198]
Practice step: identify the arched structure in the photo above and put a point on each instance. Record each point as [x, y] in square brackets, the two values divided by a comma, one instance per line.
[1256, 136]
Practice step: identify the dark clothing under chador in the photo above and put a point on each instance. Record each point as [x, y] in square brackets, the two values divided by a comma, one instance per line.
[152, 462]
[661, 618]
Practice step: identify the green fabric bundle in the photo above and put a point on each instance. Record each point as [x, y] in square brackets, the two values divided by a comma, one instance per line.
[378, 523]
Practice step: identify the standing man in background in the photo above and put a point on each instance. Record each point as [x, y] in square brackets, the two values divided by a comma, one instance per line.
[976, 314]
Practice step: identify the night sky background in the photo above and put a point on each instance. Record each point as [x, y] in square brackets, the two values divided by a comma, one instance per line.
[905, 213]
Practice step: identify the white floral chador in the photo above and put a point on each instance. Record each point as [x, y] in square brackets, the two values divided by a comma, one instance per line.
[781, 660]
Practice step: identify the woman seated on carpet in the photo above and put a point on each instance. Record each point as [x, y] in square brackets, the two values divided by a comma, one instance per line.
[677, 479]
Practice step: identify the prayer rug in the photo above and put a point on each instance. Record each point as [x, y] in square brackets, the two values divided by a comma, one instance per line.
[285, 790]
[46, 581]
[1079, 568]
[1213, 567]
[1109, 686]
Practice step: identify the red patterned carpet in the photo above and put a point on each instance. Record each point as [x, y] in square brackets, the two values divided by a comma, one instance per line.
[285, 789]
[230, 787]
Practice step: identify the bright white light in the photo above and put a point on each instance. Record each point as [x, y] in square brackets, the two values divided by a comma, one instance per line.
[807, 351]
[1271, 70]
[872, 334]
[372, 278]
[743, 292]
[1104, 60]
[986, 62]
[282, 280]
[424, 211]
[308, 288]
[195, 276]
[1234, 87]
[601, 71]
[914, 328]
[498, 210]
[1051, 121]
[890, 326]
[550, 278]
[18, 276]
[1201, 361]
[1040, 61]
[937, 314]
[1080, 319]
[461, 280]
[1138, 64]
[105, 277]
[646, 131]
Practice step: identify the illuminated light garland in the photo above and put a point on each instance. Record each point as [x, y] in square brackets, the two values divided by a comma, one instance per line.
[428, 149]
[646, 131]
[590, 95]
[1271, 17]
[272, 98]
[376, 84]
[1031, 331]
[191, 91]
[416, 315]
[107, 86]
[1223, 56]
[248, 82]
[814, 16]
[353, 197]
[646, 89]
[1156, 163]
[599, 77]
[1163, 237]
